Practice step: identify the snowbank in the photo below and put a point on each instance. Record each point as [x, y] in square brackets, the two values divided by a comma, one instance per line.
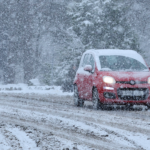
[23, 88]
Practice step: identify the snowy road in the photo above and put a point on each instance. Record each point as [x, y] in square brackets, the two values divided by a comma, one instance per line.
[45, 122]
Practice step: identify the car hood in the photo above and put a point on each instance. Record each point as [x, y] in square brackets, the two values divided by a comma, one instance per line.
[127, 76]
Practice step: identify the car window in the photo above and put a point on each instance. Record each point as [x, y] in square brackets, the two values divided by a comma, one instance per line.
[88, 60]
[91, 61]
[85, 60]
[121, 63]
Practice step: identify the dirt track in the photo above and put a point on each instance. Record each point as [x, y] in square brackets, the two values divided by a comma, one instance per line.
[51, 122]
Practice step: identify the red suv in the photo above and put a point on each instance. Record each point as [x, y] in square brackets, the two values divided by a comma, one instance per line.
[112, 77]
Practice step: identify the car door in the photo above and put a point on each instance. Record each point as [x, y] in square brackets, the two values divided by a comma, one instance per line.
[89, 78]
[81, 77]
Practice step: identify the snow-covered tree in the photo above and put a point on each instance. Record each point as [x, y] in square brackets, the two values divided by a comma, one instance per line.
[39, 38]
[102, 24]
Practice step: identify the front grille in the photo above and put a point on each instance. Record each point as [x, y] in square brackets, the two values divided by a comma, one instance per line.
[129, 82]
[133, 93]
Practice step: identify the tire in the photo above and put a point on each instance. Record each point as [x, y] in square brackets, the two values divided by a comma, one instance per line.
[129, 107]
[148, 107]
[77, 101]
[95, 99]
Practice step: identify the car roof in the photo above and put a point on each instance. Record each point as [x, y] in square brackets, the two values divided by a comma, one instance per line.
[127, 53]
[112, 52]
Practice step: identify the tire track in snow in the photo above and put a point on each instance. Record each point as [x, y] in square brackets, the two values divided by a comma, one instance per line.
[3, 144]
[128, 125]
[24, 141]
[81, 116]
[11, 139]
[67, 134]
[74, 127]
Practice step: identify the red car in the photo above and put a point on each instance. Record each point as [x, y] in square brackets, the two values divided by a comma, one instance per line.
[112, 77]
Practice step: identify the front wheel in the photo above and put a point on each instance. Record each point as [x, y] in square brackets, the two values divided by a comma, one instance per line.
[95, 99]
[148, 107]
[77, 101]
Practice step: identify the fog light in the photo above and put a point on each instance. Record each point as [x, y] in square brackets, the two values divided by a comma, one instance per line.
[108, 88]
[109, 95]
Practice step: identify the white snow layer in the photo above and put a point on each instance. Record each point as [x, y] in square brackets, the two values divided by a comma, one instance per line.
[23, 88]
[25, 142]
[3, 144]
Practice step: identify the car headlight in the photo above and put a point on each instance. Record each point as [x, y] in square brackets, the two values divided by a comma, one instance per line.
[108, 79]
[148, 80]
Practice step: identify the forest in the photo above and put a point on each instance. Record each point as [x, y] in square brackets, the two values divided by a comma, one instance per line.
[46, 39]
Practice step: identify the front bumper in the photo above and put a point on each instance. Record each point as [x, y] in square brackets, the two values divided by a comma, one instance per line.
[117, 99]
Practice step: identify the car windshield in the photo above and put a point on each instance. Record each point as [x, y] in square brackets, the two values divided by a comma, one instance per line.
[121, 63]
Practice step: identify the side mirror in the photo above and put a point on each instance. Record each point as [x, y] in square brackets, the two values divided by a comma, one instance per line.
[88, 68]
[149, 68]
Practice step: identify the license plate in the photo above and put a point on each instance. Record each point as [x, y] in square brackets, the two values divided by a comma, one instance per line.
[132, 93]
[138, 93]
[127, 93]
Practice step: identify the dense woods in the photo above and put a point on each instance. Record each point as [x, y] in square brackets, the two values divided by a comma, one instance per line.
[45, 39]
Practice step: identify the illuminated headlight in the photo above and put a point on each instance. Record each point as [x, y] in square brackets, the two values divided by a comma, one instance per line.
[108, 79]
[148, 80]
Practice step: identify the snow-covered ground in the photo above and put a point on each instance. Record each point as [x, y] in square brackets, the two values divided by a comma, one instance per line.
[23, 88]
[38, 119]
